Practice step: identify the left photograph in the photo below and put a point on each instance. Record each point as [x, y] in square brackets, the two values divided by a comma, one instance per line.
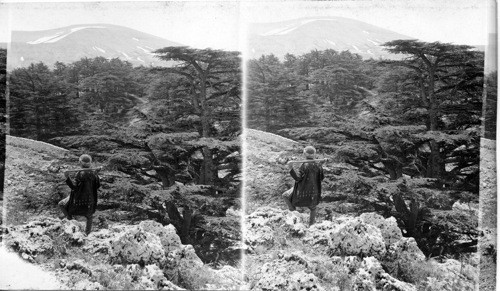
[122, 146]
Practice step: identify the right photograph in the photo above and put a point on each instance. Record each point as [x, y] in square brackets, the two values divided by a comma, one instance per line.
[369, 144]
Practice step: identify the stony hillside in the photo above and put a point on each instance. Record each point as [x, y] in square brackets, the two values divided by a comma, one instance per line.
[128, 248]
[344, 250]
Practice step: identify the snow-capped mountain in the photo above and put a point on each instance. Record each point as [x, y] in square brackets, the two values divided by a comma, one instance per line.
[71, 43]
[300, 36]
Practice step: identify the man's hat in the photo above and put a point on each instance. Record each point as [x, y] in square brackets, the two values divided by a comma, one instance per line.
[85, 160]
[309, 150]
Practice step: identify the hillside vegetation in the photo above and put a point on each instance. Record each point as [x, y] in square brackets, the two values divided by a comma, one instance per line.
[169, 149]
[403, 142]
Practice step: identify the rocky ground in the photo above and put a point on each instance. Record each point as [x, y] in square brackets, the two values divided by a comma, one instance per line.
[144, 256]
[126, 249]
[342, 251]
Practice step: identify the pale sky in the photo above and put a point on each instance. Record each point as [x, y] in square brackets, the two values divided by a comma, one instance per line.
[221, 24]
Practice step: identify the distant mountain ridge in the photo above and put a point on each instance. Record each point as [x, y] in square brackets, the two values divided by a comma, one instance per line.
[302, 35]
[71, 43]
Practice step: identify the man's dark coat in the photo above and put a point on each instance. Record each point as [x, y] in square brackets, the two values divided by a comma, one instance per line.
[307, 188]
[83, 197]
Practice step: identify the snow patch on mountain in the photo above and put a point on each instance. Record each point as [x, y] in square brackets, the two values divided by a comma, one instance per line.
[144, 50]
[59, 35]
[45, 38]
[356, 48]
[289, 28]
[98, 49]
[22, 59]
[127, 56]
[330, 42]
[140, 60]
[136, 39]
[280, 31]
[374, 42]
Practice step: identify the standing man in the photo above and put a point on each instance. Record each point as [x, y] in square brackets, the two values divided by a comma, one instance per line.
[83, 198]
[307, 189]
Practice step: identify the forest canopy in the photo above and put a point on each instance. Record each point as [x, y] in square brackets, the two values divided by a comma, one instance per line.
[410, 128]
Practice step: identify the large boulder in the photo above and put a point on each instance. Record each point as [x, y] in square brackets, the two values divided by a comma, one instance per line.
[261, 225]
[147, 243]
[403, 256]
[351, 237]
[388, 226]
[371, 276]
[283, 275]
[261, 236]
[35, 238]
[167, 234]
[137, 246]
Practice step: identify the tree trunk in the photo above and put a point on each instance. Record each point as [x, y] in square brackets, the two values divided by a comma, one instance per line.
[208, 171]
[435, 163]
[181, 222]
[394, 167]
[186, 224]
[409, 216]
[167, 175]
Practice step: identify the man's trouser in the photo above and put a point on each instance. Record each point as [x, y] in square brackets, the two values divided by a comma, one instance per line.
[287, 196]
[63, 205]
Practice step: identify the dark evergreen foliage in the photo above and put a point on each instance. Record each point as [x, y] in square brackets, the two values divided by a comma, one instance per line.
[410, 128]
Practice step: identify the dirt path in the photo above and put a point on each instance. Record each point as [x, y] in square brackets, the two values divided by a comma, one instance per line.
[17, 274]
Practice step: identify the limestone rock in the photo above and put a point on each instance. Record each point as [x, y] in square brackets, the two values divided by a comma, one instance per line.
[363, 281]
[405, 251]
[351, 237]
[387, 282]
[226, 278]
[32, 238]
[382, 280]
[403, 256]
[304, 281]
[261, 236]
[79, 265]
[452, 275]
[265, 215]
[99, 241]
[279, 275]
[388, 226]
[137, 246]
[73, 230]
[152, 276]
[470, 207]
[230, 275]
[457, 268]
[295, 223]
[167, 234]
